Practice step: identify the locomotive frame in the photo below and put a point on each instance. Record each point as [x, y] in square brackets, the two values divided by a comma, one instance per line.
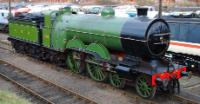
[95, 59]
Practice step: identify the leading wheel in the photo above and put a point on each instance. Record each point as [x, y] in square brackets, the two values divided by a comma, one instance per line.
[74, 62]
[144, 88]
[95, 70]
[19, 48]
[116, 80]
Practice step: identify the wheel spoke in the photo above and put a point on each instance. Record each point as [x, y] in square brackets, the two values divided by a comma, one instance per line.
[148, 92]
[149, 89]
[116, 81]
[144, 88]
[145, 94]
[140, 84]
[73, 61]
[101, 75]
[95, 71]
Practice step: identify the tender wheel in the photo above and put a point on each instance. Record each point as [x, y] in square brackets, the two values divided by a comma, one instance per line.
[95, 71]
[144, 88]
[18, 47]
[116, 80]
[74, 62]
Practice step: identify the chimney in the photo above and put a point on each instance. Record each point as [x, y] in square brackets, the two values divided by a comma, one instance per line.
[142, 11]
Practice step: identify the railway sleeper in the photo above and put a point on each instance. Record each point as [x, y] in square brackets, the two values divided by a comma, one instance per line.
[37, 84]
[48, 90]
[44, 89]
[20, 78]
[55, 97]
[23, 80]
[64, 100]
[69, 100]
[52, 94]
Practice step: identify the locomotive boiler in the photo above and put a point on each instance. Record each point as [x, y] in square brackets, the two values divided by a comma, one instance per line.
[121, 50]
[139, 37]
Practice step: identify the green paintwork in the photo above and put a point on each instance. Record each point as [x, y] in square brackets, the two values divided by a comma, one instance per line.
[47, 30]
[73, 61]
[95, 71]
[75, 43]
[47, 21]
[116, 80]
[144, 88]
[66, 10]
[62, 26]
[108, 12]
[22, 30]
[46, 37]
[73, 58]
[99, 49]
[89, 29]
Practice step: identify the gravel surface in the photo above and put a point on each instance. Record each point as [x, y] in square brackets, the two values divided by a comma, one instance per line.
[191, 87]
[3, 36]
[5, 85]
[96, 91]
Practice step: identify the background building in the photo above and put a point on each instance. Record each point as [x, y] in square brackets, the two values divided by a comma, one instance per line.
[144, 2]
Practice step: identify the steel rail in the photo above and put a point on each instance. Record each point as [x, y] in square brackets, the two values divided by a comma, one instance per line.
[26, 89]
[185, 100]
[65, 90]
[177, 97]
[180, 98]
[6, 49]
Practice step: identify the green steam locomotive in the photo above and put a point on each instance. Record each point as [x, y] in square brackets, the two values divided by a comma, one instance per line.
[108, 48]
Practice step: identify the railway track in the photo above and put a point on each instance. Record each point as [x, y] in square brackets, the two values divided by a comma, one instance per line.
[25, 79]
[184, 100]
[6, 49]
[164, 98]
[40, 88]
